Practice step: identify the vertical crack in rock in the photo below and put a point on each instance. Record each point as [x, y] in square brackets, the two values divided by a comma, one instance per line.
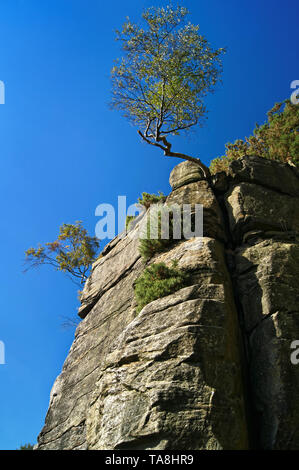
[220, 185]
[207, 367]
[262, 203]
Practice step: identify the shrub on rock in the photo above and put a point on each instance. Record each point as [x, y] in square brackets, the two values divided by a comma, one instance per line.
[157, 281]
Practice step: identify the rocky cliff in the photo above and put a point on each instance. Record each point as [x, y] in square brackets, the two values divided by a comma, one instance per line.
[207, 367]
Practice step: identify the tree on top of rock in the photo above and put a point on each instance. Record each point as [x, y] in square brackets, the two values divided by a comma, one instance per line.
[166, 71]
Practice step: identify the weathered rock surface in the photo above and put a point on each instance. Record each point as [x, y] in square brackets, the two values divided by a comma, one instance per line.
[264, 224]
[200, 193]
[172, 380]
[267, 281]
[207, 367]
[253, 207]
[274, 175]
[184, 173]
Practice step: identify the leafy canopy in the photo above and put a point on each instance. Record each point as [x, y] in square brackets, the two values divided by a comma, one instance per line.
[157, 281]
[72, 252]
[166, 71]
[277, 139]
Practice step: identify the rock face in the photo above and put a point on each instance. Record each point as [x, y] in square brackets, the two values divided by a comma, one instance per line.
[209, 366]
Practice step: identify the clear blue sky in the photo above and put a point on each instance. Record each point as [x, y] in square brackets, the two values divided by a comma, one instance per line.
[63, 152]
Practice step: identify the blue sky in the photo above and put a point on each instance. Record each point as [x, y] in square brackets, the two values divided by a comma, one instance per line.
[63, 152]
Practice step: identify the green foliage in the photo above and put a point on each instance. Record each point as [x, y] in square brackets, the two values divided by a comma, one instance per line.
[277, 139]
[129, 219]
[26, 447]
[148, 199]
[166, 71]
[72, 252]
[157, 281]
[148, 245]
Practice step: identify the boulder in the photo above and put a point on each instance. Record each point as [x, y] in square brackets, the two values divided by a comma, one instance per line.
[184, 173]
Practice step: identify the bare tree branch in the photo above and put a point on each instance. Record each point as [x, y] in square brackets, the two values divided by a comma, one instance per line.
[168, 153]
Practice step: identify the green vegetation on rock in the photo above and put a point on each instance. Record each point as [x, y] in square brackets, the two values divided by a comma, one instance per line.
[148, 199]
[26, 447]
[277, 139]
[156, 221]
[129, 219]
[157, 281]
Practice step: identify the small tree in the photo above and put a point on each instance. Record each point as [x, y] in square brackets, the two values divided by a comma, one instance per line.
[167, 70]
[72, 252]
